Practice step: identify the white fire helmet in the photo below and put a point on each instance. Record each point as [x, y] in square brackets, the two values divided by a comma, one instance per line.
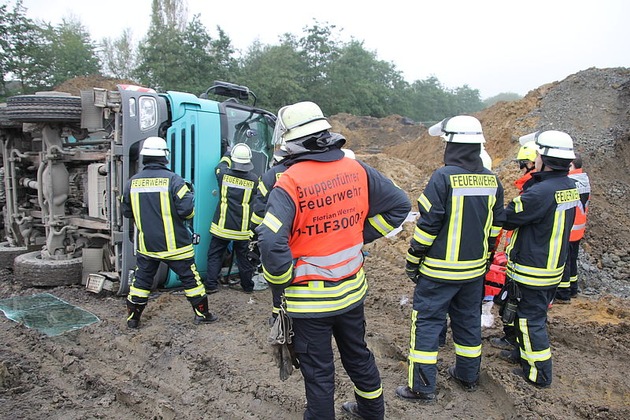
[459, 129]
[241, 157]
[552, 143]
[154, 146]
[299, 120]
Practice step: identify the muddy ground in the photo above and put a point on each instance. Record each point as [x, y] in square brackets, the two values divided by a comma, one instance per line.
[172, 369]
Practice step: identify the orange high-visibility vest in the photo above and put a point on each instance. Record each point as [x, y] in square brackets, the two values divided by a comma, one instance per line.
[584, 187]
[331, 206]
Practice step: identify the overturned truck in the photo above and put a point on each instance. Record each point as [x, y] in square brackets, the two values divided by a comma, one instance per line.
[66, 159]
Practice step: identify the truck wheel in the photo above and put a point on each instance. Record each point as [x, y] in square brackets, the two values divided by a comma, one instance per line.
[5, 122]
[31, 270]
[8, 254]
[46, 107]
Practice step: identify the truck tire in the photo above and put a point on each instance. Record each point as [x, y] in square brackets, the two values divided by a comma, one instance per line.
[45, 107]
[8, 254]
[5, 122]
[31, 270]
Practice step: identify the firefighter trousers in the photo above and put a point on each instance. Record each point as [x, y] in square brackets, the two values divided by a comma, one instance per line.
[568, 287]
[217, 248]
[313, 346]
[147, 267]
[432, 301]
[533, 340]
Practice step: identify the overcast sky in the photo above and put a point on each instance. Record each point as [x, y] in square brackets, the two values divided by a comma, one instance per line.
[490, 45]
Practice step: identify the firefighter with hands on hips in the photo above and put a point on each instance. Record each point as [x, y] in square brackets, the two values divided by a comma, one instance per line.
[160, 202]
[541, 218]
[525, 158]
[461, 211]
[237, 185]
[568, 287]
[320, 213]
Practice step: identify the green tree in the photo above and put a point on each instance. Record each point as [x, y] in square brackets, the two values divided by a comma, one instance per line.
[467, 100]
[176, 55]
[203, 59]
[358, 83]
[274, 74]
[319, 47]
[427, 100]
[69, 51]
[20, 45]
[118, 56]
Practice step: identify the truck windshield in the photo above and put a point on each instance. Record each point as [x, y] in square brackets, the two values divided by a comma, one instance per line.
[254, 129]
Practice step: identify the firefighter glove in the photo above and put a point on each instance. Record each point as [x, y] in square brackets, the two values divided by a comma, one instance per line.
[413, 271]
[253, 253]
[415, 257]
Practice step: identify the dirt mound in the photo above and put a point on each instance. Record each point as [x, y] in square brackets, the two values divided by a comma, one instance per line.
[171, 369]
[76, 85]
[593, 106]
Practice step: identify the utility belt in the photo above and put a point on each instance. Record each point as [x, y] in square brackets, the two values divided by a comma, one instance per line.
[508, 300]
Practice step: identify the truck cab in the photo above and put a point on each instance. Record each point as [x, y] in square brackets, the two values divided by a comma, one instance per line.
[67, 159]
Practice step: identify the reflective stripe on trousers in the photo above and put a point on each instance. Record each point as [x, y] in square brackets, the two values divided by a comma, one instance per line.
[431, 302]
[312, 343]
[531, 321]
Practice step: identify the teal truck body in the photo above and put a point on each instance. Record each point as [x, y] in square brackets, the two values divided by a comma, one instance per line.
[67, 158]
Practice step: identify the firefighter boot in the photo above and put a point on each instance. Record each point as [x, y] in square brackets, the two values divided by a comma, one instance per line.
[133, 314]
[202, 315]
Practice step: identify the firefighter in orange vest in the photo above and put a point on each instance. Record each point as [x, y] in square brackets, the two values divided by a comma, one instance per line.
[320, 213]
[568, 287]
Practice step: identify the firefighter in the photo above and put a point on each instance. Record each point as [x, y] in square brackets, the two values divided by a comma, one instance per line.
[525, 158]
[322, 210]
[281, 161]
[160, 203]
[461, 211]
[237, 185]
[568, 287]
[541, 217]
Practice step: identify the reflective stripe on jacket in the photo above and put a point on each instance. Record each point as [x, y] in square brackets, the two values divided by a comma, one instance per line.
[232, 215]
[265, 185]
[460, 218]
[332, 204]
[583, 185]
[159, 202]
[541, 218]
[319, 214]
